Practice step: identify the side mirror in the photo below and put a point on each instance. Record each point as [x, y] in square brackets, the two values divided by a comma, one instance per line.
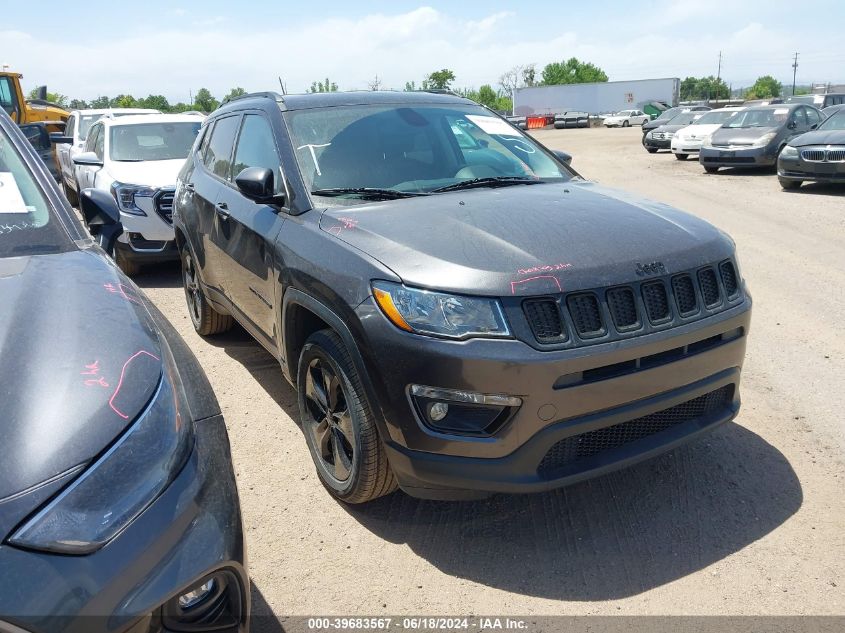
[87, 158]
[102, 217]
[814, 126]
[562, 156]
[257, 184]
[57, 138]
[792, 125]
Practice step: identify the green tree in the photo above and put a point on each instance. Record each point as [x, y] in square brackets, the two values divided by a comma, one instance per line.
[504, 104]
[156, 102]
[52, 97]
[704, 88]
[487, 96]
[77, 104]
[439, 80]
[764, 88]
[572, 71]
[100, 102]
[327, 86]
[236, 92]
[410, 86]
[181, 107]
[123, 101]
[205, 101]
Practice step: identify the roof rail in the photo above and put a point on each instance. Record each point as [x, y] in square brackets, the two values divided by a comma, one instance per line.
[275, 96]
[440, 91]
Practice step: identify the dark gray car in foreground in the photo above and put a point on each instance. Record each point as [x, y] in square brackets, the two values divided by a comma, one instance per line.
[458, 318]
[755, 137]
[817, 156]
[118, 505]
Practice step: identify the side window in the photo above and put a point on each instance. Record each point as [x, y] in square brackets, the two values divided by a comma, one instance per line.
[813, 117]
[70, 127]
[256, 148]
[217, 158]
[99, 143]
[92, 138]
[203, 146]
[799, 117]
[7, 97]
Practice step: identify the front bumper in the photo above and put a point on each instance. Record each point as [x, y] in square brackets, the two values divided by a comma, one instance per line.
[193, 529]
[800, 170]
[138, 249]
[650, 142]
[685, 146]
[734, 157]
[434, 464]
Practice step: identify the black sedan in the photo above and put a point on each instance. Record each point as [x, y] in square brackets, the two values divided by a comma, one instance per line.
[755, 137]
[661, 137]
[117, 494]
[818, 156]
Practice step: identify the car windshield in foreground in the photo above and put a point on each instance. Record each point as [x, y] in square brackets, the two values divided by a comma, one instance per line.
[152, 141]
[27, 224]
[714, 117]
[390, 151]
[759, 117]
[836, 121]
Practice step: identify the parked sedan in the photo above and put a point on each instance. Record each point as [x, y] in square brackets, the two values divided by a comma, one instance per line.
[689, 140]
[626, 118]
[117, 494]
[661, 138]
[818, 156]
[668, 115]
[755, 136]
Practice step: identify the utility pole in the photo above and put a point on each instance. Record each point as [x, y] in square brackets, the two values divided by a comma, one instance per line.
[794, 71]
[719, 74]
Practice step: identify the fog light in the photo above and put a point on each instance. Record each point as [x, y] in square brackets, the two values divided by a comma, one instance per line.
[195, 596]
[438, 411]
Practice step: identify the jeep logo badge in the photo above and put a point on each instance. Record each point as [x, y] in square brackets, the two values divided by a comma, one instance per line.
[654, 268]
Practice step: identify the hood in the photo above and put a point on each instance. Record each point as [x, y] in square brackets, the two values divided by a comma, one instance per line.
[820, 137]
[494, 242]
[152, 173]
[699, 131]
[80, 361]
[740, 135]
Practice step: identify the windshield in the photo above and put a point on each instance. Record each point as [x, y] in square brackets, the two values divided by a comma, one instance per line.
[714, 117]
[623, 113]
[668, 114]
[685, 118]
[152, 141]
[27, 225]
[413, 150]
[836, 121]
[759, 117]
[85, 123]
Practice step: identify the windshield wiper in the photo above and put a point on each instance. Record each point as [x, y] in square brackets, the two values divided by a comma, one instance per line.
[128, 160]
[367, 192]
[494, 181]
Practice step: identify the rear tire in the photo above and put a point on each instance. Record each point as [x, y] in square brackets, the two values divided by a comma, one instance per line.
[338, 422]
[205, 319]
[710, 170]
[651, 150]
[789, 184]
[681, 156]
[625, 123]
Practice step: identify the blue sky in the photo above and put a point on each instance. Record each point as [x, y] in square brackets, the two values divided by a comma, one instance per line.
[180, 45]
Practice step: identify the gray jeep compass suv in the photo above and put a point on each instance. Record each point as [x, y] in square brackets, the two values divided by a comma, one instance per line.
[459, 311]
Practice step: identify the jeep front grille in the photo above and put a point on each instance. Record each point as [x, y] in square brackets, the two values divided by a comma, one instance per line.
[591, 316]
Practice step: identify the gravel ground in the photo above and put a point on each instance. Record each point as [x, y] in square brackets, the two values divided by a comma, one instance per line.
[747, 521]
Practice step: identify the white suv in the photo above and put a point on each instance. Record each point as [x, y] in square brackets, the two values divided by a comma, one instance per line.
[76, 132]
[137, 160]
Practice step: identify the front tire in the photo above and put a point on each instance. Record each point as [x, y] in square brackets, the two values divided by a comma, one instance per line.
[681, 156]
[789, 184]
[338, 422]
[710, 170]
[625, 123]
[205, 319]
[651, 150]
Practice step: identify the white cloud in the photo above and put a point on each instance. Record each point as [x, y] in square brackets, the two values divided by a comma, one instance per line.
[398, 47]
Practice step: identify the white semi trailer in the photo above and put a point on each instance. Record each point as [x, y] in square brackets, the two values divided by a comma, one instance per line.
[595, 98]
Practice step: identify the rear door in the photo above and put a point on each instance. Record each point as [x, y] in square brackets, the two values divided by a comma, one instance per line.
[85, 174]
[253, 228]
[211, 176]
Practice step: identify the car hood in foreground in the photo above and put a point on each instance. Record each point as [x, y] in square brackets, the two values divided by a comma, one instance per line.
[820, 137]
[152, 173]
[525, 240]
[80, 362]
[740, 135]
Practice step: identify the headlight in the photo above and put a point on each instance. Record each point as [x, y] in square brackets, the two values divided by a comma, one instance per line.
[764, 140]
[120, 485]
[126, 194]
[427, 312]
[789, 152]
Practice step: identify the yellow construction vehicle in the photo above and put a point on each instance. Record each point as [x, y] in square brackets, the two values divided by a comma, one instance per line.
[24, 110]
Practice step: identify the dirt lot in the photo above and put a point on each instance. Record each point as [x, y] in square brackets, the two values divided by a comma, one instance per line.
[747, 521]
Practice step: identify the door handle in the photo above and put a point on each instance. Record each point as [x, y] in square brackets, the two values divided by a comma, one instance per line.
[222, 210]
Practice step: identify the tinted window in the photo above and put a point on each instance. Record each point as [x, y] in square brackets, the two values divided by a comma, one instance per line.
[799, 117]
[835, 121]
[256, 148]
[218, 155]
[152, 141]
[27, 226]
